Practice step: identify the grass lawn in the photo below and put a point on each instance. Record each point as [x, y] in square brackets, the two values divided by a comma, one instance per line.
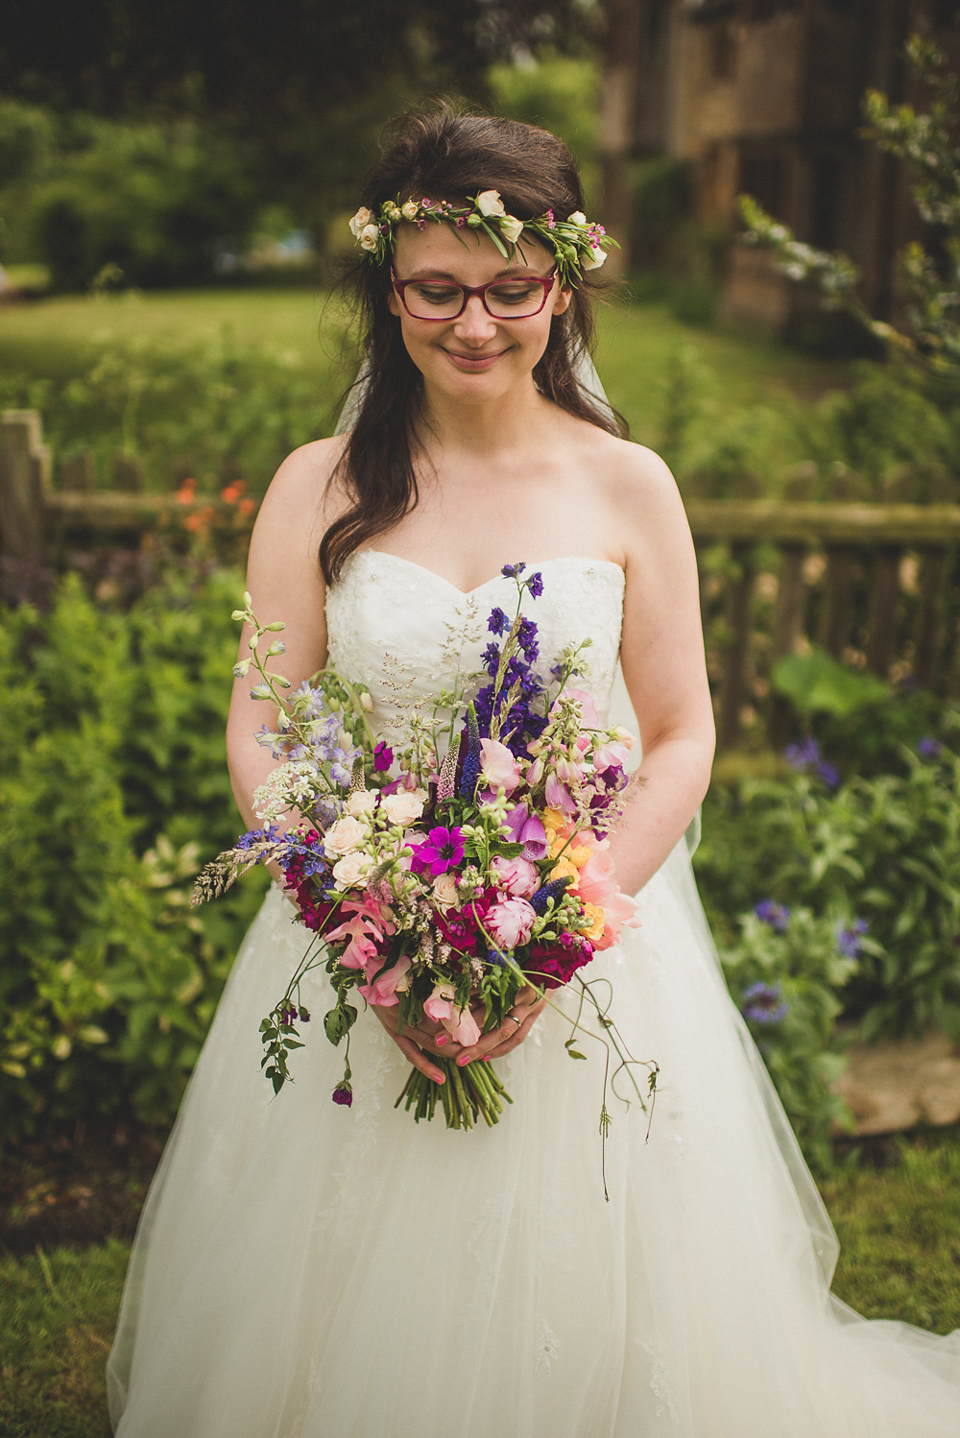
[899, 1227]
[638, 344]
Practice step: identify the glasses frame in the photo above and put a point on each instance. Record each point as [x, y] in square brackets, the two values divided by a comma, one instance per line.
[468, 291]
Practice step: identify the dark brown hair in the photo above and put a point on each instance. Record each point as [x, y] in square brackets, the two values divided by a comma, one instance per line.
[447, 156]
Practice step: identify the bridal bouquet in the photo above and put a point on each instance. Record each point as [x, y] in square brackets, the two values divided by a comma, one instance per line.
[447, 873]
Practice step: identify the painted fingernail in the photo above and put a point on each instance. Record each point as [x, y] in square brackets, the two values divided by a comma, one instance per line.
[439, 1078]
[488, 1058]
[463, 1059]
[441, 1039]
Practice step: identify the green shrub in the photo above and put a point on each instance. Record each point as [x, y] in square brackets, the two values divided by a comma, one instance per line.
[885, 849]
[113, 791]
[787, 971]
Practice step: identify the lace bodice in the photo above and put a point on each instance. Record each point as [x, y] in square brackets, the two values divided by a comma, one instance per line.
[408, 633]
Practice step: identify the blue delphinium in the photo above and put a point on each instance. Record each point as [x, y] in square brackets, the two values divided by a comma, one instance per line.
[929, 748]
[848, 939]
[805, 757]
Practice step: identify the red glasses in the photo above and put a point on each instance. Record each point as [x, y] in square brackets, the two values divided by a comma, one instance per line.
[504, 299]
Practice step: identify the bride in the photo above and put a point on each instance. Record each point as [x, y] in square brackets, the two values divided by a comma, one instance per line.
[308, 1269]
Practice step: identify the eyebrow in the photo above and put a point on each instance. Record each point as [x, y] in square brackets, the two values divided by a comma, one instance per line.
[430, 274]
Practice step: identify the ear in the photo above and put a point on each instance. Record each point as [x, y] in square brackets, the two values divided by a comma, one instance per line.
[562, 301]
[393, 304]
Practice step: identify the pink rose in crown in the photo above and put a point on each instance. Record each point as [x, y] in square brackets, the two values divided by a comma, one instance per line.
[510, 921]
[517, 876]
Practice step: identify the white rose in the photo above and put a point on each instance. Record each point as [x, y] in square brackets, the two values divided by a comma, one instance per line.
[577, 218]
[409, 210]
[593, 259]
[351, 870]
[344, 836]
[393, 213]
[403, 808]
[489, 203]
[361, 801]
[369, 237]
[445, 891]
[360, 219]
[511, 228]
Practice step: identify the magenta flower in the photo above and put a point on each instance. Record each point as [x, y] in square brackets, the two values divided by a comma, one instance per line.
[343, 1094]
[382, 757]
[442, 851]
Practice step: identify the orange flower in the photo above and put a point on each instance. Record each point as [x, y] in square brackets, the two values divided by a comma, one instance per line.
[187, 492]
[598, 923]
[232, 492]
[246, 507]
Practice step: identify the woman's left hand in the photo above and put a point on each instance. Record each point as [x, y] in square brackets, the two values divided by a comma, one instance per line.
[495, 1043]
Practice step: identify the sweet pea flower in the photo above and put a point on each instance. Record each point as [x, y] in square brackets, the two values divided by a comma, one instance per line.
[609, 756]
[517, 876]
[439, 1006]
[367, 927]
[388, 983]
[498, 767]
[588, 708]
[619, 912]
[526, 829]
[558, 796]
[510, 921]
[489, 203]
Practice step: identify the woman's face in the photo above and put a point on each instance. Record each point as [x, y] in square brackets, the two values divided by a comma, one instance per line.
[475, 357]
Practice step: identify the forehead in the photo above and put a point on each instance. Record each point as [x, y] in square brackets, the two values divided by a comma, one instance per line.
[466, 255]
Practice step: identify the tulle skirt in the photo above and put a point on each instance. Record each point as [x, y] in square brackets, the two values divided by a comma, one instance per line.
[304, 1270]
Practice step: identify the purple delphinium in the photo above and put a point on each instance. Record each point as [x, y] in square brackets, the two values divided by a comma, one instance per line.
[929, 748]
[441, 850]
[764, 1003]
[498, 621]
[848, 939]
[535, 585]
[343, 1094]
[513, 571]
[768, 911]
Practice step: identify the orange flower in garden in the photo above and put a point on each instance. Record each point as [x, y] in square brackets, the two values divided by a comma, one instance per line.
[187, 492]
[246, 507]
[232, 492]
[200, 520]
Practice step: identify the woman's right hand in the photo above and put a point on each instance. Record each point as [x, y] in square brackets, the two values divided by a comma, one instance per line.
[418, 1042]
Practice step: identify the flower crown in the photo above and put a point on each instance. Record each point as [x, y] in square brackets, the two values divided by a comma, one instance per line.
[577, 244]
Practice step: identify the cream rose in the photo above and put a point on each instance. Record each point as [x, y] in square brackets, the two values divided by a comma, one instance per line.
[577, 218]
[489, 203]
[409, 210]
[344, 836]
[593, 259]
[445, 891]
[360, 220]
[361, 801]
[511, 228]
[403, 808]
[351, 870]
[369, 237]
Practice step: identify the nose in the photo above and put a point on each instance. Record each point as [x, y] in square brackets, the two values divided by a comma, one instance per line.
[475, 326]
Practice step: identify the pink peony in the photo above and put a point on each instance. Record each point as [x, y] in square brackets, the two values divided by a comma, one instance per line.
[498, 768]
[510, 921]
[518, 876]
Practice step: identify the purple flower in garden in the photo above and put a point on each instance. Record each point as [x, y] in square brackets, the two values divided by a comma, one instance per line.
[804, 757]
[764, 1003]
[382, 757]
[929, 748]
[441, 850]
[768, 911]
[848, 940]
[498, 621]
[343, 1094]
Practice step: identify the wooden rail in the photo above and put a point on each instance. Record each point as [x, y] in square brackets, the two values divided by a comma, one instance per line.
[877, 585]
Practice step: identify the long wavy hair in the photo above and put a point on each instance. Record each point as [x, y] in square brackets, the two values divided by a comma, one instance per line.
[447, 156]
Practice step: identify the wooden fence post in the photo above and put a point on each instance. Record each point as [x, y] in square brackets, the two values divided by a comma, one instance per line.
[24, 480]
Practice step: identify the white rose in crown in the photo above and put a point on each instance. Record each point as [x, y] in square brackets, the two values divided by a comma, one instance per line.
[360, 220]
[344, 836]
[361, 801]
[593, 259]
[489, 203]
[577, 218]
[351, 870]
[369, 237]
[403, 808]
[511, 229]
[409, 210]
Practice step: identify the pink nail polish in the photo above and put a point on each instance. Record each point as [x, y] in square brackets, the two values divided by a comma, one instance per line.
[463, 1059]
[442, 1039]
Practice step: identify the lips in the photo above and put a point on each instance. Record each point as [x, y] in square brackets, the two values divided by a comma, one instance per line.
[473, 363]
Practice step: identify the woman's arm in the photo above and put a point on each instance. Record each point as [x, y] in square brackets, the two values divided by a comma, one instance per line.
[663, 666]
[285, 583]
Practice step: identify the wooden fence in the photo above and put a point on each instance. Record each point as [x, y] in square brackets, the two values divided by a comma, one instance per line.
[877, 585]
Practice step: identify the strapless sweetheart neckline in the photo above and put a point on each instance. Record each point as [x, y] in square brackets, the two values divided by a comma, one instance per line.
[495, 578]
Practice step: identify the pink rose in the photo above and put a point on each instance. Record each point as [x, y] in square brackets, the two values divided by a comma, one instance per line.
[510, 921]
[498, 767]
[518, 876]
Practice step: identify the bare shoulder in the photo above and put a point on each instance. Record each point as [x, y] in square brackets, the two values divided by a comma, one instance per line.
[638, 493]
[300, 493]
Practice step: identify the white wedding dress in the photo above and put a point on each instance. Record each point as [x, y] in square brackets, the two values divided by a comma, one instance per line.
[304, 1270]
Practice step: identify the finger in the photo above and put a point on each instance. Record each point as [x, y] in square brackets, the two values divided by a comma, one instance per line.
[509, 1036]
[418, 1058]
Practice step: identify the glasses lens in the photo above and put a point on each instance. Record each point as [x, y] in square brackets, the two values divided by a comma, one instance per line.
[433, 301]
[514, 299]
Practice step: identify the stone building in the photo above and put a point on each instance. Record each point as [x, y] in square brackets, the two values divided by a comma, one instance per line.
[764, 96]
